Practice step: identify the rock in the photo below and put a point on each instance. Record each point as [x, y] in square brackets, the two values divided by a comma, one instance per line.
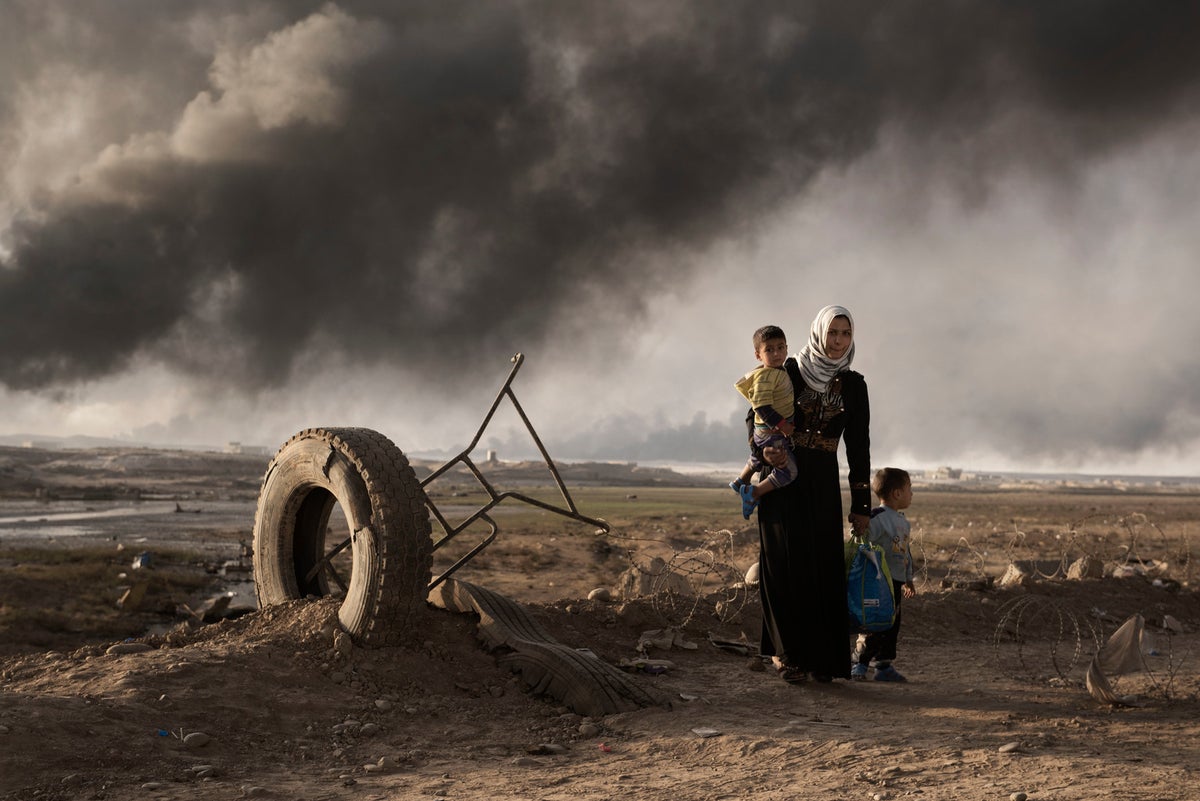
[383, 705]
[751, 577]
[603, 594]
[1085, 567]
[640, 582]
[1009, 748]
[1013, 577]
[526, 762]
[1017, 797]
[588, 729]
[211, 610]
[128, 648]
[196, 739]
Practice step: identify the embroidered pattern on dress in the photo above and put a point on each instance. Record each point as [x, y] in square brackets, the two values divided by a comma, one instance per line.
[818, 409]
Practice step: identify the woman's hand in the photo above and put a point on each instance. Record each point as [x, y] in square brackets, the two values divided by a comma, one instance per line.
[776, 457]
[860, 523]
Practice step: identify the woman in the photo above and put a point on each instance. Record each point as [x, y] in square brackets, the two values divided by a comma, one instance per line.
[801, 563]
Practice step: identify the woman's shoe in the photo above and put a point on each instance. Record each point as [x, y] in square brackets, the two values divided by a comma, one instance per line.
[792, 675]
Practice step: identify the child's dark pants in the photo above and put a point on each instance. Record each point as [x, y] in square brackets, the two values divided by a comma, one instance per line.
[881, 645]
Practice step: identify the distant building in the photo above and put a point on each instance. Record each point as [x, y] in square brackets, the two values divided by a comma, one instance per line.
[239, 449]
[947, 472]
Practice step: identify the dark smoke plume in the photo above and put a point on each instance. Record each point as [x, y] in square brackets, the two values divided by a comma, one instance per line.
[432, 182]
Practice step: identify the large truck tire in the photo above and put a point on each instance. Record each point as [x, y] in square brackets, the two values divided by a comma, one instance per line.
[297, 555]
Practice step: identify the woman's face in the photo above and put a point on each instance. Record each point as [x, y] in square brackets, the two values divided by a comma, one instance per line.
[838, 338]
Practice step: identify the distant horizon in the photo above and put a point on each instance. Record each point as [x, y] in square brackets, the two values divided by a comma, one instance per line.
[693, 466]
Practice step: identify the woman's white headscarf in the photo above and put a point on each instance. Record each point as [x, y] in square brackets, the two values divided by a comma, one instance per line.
[817, 368]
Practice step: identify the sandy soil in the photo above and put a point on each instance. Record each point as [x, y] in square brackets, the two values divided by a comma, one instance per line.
[275, 704]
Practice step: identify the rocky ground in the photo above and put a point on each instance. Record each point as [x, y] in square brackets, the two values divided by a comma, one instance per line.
[277, 703]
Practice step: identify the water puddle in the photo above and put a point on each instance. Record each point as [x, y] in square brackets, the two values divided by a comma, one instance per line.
[142, 521]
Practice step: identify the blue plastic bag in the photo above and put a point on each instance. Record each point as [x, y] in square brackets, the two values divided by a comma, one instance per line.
[869, 588]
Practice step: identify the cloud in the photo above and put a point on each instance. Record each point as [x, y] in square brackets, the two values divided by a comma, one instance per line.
[252, 199]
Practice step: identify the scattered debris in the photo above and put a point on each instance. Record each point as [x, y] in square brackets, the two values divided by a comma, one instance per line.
[132, 598]
[665, 639]
[646, 665]
[1120, 655]
[741, 647]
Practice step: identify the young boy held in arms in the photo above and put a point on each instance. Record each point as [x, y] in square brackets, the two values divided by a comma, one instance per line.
[770, 393]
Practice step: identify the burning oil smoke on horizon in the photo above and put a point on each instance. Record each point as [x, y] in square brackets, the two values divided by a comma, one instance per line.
[430, 180]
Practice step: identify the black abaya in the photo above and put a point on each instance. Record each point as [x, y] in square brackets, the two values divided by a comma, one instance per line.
[801, 531]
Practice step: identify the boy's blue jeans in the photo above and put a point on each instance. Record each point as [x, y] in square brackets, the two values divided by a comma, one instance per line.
[771, 438]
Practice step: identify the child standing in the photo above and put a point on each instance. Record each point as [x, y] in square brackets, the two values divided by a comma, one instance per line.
[890, 531]
[769, 391]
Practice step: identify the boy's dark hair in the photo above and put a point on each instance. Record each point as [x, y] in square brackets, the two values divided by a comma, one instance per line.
[889, 480]
[765, 333]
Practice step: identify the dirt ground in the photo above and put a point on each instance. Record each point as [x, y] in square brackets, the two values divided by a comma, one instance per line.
[274, 704]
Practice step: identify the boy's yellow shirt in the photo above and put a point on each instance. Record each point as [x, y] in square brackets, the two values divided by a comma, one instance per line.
[768, 386]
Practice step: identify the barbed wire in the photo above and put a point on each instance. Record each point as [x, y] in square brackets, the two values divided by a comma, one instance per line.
[1036, 637]
[966, 565]
[1157, 679]
[683, 584]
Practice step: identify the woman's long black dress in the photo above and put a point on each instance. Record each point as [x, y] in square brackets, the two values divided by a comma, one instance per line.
[801, 530]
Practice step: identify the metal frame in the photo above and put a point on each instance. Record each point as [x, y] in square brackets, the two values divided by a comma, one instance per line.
[497, 497]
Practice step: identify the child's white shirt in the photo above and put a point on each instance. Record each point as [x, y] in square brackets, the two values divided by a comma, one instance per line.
[891, 531]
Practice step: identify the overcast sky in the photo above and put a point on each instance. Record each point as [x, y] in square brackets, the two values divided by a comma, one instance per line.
[233, 220]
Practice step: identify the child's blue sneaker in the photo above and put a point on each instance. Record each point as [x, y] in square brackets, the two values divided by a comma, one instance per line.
[859, 672]
[748, 502]
[889, 673]
[736, 485]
